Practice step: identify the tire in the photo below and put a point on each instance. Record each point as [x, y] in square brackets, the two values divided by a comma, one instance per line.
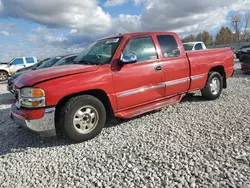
[3, 76]
[76, 118]
[210, 91]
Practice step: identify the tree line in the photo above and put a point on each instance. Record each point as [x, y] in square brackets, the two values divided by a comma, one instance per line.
[237, 32]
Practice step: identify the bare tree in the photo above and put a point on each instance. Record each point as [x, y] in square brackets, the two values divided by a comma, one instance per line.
[189, 38]
[236, 23]
[245, 32]
[240, 25]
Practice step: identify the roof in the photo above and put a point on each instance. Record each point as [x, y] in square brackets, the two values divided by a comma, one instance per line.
[193, 42]
[137, 33]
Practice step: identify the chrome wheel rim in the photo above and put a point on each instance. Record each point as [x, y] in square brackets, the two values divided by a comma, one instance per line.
[3, 76]
[215, 86]
[85, 119]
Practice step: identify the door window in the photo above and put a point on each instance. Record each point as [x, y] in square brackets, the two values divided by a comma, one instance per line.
[66, 61]
[143, 48]
[18, 61]
[169, 46]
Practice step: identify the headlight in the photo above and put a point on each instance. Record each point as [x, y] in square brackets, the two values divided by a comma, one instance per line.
[32, 97]
[32, 92]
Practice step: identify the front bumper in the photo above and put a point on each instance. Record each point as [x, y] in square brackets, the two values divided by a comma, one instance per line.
[44, 126]
[10, 85]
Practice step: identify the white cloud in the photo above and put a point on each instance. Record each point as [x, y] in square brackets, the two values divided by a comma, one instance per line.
[110, 3]
[42, 35]
[83, 15]
[86, 20]
[5, 33]
[127, 23]
[186, 16]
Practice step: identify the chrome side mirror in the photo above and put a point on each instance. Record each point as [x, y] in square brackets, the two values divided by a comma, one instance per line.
[128, 59]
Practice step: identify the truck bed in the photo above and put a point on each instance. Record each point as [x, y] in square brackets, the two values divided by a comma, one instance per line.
[203, 60]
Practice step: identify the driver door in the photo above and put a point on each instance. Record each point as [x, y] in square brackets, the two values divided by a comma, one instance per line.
[16, 64]
[141, 82]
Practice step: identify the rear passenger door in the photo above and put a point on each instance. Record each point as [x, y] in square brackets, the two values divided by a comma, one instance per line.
[141, 82]
[175, 65]
[29, 61]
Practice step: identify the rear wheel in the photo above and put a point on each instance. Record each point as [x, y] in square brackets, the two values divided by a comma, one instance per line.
[213, 86]
[3, 76]
[82, 118]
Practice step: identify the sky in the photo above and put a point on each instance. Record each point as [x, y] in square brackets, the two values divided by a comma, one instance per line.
[45, 28]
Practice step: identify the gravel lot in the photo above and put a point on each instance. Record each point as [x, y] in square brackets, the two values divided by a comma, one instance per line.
[195, 143]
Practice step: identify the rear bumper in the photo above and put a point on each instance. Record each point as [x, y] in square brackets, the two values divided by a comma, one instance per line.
[44, 126]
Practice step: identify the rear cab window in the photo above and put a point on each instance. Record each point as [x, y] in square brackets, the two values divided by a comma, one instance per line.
[30, 60]
[169, 46]
[198, 46]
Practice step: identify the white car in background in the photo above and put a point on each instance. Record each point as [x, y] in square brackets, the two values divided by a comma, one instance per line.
[15, 64]
[192, 46]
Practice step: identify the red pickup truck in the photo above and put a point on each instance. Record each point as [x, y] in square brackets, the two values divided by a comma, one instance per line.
[121, 76]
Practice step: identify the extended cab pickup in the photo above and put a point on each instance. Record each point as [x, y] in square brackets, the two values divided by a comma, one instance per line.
[122, 76]
[15, 64]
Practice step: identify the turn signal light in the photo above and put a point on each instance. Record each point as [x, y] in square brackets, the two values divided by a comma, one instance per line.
[36, 93]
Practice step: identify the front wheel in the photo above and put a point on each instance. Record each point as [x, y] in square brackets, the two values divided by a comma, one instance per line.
[3, 76]
[82, 118]
[213, 86]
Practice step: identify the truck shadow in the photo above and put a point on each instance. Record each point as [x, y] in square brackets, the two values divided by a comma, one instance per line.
[191, 97]
[239, 74]
[14, 139]
[6, 98]
[3, 82]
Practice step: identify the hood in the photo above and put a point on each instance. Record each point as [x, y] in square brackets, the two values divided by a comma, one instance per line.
[14, 76]
[30, 78]
[24, 69]
[3, 65]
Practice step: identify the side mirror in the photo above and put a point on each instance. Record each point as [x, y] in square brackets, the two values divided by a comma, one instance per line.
[128, 59]
[11, 63]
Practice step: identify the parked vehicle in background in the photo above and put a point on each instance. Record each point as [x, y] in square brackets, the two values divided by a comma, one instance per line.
[192, 46]
[242, 51]
[58, 61]
[14, 65]
[245, 65]
[33, 67]
[123, 76]
[55, 61]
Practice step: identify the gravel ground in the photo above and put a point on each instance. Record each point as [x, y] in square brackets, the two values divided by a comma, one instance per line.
[195, 143]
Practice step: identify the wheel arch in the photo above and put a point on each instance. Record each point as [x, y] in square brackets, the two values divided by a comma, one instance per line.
[98, 93]
[221, 70]
[2, 70]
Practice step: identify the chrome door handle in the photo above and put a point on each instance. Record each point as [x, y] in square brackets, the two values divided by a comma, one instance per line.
[158, 68]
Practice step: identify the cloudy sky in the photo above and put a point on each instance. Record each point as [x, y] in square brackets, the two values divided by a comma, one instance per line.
[50, 27]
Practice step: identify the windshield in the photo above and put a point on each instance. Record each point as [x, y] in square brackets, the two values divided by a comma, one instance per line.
[188, 47]
[49, 63]
[99, 53]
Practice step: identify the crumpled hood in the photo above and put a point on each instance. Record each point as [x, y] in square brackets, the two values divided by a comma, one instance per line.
[30, 78]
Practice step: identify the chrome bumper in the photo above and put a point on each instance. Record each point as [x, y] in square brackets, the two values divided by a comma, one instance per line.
[44, 126]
